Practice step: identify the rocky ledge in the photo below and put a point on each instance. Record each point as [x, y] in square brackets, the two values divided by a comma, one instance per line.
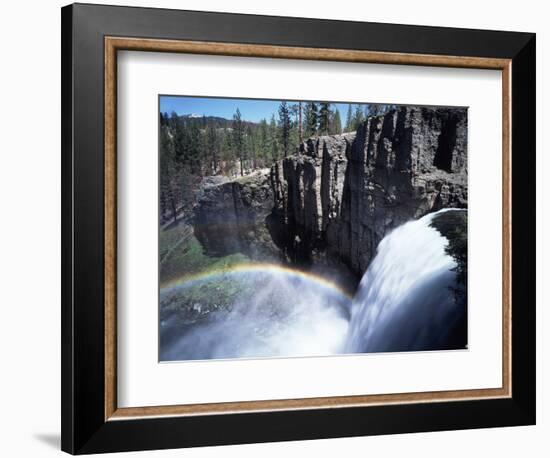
[338, 196]
[232, 216]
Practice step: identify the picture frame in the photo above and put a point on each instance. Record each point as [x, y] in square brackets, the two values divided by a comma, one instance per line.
[92, 35]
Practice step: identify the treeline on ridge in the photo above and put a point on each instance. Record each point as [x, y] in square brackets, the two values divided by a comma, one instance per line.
[193, 147]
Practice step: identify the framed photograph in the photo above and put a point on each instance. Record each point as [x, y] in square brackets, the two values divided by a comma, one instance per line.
[284, 228]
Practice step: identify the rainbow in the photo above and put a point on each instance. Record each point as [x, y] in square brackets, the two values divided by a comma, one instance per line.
[245, 268]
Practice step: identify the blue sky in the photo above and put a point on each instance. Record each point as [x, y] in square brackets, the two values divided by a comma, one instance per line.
[251, 109]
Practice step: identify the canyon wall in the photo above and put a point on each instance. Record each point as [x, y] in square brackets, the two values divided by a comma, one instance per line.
[339, 195]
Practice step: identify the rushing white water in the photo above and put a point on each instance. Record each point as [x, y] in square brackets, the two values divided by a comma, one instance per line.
[404, 302]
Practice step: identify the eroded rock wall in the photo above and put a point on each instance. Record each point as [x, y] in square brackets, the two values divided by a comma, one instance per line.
[340, 195]
[233, 216]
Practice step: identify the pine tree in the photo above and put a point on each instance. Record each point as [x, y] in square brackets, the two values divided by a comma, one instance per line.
[300, 123]
[193, 150]
[295, 125]
[324, 118]
[264, 141]
[336, 123]
[358, 117]
[168, 175]
[173, 121]
[273, 143]
[212, 146]
[250, 147]
[284, 125]
[349, 120]
[238, 138]
[227, 153]
[179, 137]
[312, 119]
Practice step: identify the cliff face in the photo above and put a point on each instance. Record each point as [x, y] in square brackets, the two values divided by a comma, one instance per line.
[340, 195]
[233, 216]
[401, 166]
[309, 190]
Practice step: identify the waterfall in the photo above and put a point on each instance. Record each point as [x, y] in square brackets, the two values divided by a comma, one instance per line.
[406, 298]
[405, 301]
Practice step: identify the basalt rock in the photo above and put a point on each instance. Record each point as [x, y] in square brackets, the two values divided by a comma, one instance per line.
[308, 197]
[232, 216]
[339, 195]
[401, 166]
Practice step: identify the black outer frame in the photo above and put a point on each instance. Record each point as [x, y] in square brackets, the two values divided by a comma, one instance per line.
[84, 429]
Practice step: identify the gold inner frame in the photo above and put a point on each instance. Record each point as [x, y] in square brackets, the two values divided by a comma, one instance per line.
[114, 44]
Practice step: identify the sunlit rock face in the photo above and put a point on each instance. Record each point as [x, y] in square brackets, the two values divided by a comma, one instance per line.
[400, 167]
[308, 195]
[337, 197]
